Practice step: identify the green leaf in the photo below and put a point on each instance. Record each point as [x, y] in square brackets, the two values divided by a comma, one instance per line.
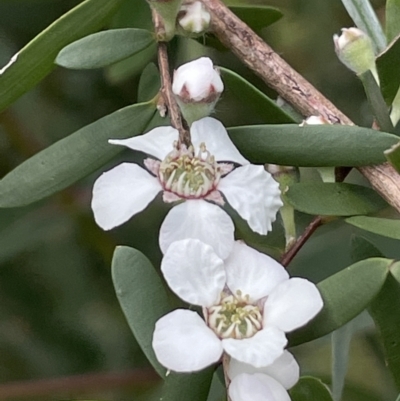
[385, 312]
[387, 64]
[363, 15]
[257, 17]
[257, 107]
[104, 48]
[149, 84]
[345, 295]
[188, 386]
[334, 199]
[393, 156]
[376, 101]
[142, 297]
[73, 157]
[392, 19]
[310, 389]
[362, 249]
[36, 59]
[395, 270]
[385, 227]
[327, 145]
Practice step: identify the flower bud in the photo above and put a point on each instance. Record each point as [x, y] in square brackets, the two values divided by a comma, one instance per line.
[194, 18]
[355, 50]
[315, 120]
[197, 86]
[168, 11]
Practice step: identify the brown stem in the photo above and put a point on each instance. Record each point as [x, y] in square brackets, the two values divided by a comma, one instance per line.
[291, 86]
[292, 252]
[168, 98]
[91, 382]
[225, 365]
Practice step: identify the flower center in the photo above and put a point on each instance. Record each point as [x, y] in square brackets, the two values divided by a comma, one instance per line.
[235, 318]
[188, 175]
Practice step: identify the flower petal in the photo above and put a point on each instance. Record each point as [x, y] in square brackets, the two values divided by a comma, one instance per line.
[158, 142]
[254, 194]
[285, 369]
[260, 350]
[194, 272]
[182, 342]
[120, 193]
[214, 135]
[292, 304]
[252, 272]
[201, 220]
[256, 387]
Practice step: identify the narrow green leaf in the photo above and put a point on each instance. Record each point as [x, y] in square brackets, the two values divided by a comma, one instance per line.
[73, 157]
[393, 156]
[376, 101]
[36, 59]
[385, 312]
[142, 297]
[385, 227]
[387, 64]
[149, 84]
[327, 145]
[392, 19]
[345, 295]
[104, 48]
[257, 17]
[395, 270]
[363, 15]
[334, 199]
[257, 107]
[188, 386]
[398, 398]
[310, 389]
[362, 249]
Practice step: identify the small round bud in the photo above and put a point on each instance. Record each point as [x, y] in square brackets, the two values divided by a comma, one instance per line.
[355, 50]
[315, 120]
[194, 18]
[197, 86]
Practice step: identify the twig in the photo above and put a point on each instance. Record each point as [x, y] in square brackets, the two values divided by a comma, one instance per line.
[77, 384]
[168, 98]
[300, 241]
[291, 86]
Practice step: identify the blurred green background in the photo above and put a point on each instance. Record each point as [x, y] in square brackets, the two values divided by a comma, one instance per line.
[59, 316]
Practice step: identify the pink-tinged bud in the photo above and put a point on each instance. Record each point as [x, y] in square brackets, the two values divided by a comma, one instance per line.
[355, 50]
[193, 18]
[315, 120]
[197, 86]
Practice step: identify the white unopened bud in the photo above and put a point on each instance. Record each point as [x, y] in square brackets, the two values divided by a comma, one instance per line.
[194, 18]
[197, 86]
[315, 120]
[355, 50]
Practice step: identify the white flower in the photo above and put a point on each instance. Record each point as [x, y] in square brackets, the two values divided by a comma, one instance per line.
[195, 18]
[248, 303]
[197, 80]
[263, 384]
[194, 175]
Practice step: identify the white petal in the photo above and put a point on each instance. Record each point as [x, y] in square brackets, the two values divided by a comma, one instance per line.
[157, 142]
[247, 387]
[201, 220]
[214, 135]
[122, 192]
[285, 369]
[194, 272]
[254, 194]
[278, 391]
[252, 272]
[182, 342]
[292, 304]
[260, 350]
